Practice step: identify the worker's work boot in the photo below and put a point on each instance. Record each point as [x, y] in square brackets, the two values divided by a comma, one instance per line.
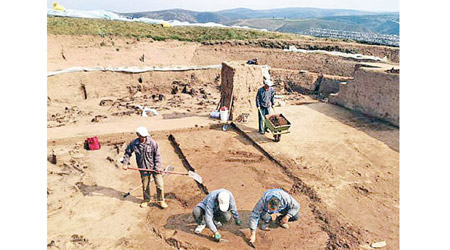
[217, 223]
[285, 225]
[144, 204]
[279, 221]
[162, 204]
[199, 228]
[265, 226]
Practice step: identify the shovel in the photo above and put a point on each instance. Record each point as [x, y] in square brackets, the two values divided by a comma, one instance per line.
[125, 195]
[226, 126]
[191, 174]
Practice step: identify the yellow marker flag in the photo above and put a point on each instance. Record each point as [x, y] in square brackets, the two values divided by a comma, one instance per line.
[56, 6]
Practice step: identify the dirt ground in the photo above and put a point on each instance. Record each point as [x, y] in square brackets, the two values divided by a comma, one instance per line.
[342, 167]
[87, 51]
[351, 168]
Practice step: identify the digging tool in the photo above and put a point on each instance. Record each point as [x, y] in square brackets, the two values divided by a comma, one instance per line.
[218, 104]
[134, 189]
[226, 125]
[168, 168]
[191, 174]
[251, 244]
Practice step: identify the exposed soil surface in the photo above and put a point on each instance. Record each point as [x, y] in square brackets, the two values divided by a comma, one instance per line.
[352, 172]
[340, 166]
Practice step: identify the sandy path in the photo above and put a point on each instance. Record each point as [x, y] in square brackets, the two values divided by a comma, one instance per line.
[355, 174]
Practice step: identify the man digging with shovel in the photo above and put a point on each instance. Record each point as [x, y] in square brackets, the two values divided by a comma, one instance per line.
[273, 201]
[147, 157]
[215, 209]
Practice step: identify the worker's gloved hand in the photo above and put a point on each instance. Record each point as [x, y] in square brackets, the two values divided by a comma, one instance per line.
[238, 222]
[217, 236]
[124, 164]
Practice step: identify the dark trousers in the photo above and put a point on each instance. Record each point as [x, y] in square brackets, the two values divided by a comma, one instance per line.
[266, 217]
[199, 214]
[264, 111]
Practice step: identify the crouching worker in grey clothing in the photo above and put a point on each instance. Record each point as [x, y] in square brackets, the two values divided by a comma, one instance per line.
[273, 201]
[214, 210]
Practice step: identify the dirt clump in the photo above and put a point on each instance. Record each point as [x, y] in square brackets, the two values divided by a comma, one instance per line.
[243, 156]
[278, 120]
[98, 118]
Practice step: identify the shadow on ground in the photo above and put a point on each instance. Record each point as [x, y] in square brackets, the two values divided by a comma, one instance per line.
[95, 190]
[253, 132]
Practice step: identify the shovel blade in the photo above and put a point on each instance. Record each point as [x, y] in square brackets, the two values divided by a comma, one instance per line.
[195, 176]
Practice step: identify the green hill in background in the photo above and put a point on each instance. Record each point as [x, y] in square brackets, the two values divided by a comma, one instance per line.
[292, 20]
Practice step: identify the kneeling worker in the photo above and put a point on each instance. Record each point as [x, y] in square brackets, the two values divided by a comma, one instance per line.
[215, 209]
[273, 201]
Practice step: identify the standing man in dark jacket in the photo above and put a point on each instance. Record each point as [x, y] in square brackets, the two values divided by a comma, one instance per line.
[264, 100]
[147, 157]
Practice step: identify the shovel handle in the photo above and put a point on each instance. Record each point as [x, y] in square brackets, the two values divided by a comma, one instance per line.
[162, 172]
[136, 188]
[143, 169]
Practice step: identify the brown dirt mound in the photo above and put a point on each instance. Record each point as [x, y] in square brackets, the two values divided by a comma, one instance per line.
[278, 120]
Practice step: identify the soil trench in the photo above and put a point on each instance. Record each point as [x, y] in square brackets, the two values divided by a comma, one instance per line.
[247, 180]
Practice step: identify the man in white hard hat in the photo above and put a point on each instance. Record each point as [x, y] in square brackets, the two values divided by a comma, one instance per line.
[147, 157]
[214, 210]
[264, 101]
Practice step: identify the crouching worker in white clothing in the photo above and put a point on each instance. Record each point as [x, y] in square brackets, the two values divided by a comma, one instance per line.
[214, 210]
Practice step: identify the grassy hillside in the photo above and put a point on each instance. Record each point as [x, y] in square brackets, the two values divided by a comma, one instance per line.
[290, 13]
[379, 24]
[225, 16]
[382, 24]
[84, 26]
[181, 15]
[305, 25]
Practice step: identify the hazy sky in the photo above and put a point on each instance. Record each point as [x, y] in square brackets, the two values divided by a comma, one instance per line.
[213, 5]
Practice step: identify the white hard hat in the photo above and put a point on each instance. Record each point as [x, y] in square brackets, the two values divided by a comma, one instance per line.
[142, 131]
[224, 201]
[268, 83]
